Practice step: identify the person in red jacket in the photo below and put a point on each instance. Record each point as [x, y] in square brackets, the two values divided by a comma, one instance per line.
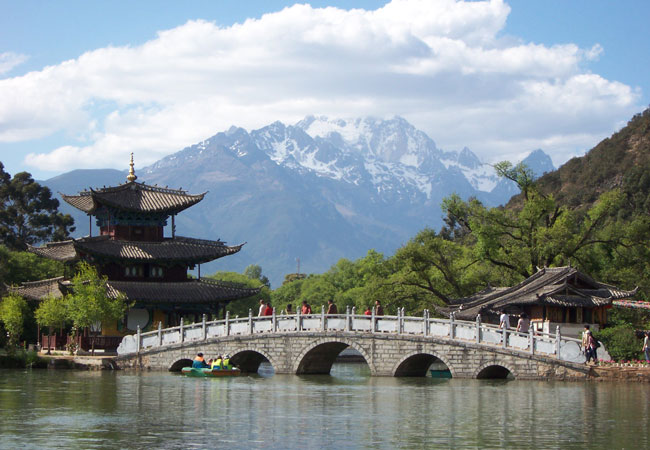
[306, 309]
[268, 310]
[367, 312]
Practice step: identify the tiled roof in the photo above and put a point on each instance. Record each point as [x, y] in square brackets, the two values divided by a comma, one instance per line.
[194, 251]
[136, 197]
[58, 251]
[549, 286]
[194, 291]
[38, 290]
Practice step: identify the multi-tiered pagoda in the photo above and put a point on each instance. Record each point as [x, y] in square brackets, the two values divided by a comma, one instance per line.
[149, 269]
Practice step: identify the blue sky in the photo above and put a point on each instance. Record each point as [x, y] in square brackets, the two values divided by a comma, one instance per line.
[83, 84]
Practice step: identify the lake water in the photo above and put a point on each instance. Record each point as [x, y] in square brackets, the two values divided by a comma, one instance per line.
[347, 409]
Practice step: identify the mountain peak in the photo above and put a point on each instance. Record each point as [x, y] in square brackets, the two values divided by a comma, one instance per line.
[539, 162]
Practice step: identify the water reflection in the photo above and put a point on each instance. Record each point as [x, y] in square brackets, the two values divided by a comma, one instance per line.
[59, 409]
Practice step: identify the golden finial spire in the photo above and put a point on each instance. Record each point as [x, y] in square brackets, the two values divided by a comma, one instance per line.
[131, 176]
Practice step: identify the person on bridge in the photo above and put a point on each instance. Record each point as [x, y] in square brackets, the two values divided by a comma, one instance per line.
[199, 362]
[379, 310]
[504, 320]
[260, 313]
[306, 309]
[367, 312]
[268, 310]
[331, 307]
[524, 323]
[289, 309]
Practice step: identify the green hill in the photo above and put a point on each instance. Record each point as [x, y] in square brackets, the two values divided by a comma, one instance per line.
[620, 161]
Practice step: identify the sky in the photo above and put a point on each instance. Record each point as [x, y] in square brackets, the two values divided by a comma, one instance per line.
[84, 84]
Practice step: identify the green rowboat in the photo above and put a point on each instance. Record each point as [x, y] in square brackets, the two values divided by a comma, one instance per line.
[191, 372]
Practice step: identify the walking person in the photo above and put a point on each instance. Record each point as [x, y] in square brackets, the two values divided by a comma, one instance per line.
[523, 324]
[504, 320]
[260, 313]
[646, 346]
[379, 310]
[591, 347]
[331, 307]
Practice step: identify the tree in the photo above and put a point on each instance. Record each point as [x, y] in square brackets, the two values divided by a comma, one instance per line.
[89, 303]
[241, 306]
[254, 272]
[51, 313]
[13, 310]
[28, 213]
[18, 267]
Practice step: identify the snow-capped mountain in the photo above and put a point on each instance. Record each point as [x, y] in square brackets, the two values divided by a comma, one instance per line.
[320, 189]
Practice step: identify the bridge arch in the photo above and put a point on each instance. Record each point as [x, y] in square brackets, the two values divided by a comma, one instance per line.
[495, 369]
[318, 357]
[415, 364]
[178, 365]
[249, 358]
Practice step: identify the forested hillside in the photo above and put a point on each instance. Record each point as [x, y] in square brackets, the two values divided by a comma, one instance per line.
[620, 161]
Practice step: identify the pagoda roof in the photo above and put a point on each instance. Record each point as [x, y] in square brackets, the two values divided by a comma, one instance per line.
[39, 290]
[179, 249]
[557, 286]
[183, 292]
[134, 197]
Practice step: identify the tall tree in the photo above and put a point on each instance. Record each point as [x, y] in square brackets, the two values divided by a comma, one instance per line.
[28, 213]
[89, 303]
[51, 313]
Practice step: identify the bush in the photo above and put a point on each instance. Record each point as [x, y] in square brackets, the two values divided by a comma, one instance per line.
[621, 342]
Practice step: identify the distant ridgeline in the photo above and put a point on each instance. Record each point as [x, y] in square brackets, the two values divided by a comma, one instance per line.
[319, 190]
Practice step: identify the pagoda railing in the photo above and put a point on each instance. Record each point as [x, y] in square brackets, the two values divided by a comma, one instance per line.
[461, 331]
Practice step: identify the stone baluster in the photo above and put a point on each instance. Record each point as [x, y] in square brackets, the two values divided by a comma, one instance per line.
[478, 328]
[504, 337]
[226, 324]
[373, 321]
[250, 321]
[347, 318]
[424, 323]
[204, 331]
[452, 326]
[531, 339]
[558, 338]
[159, 333]
[182, 331]
[354, 313]
[274, 321]
[400, 320]
[298, 318]
[322, 318]
[138, 342]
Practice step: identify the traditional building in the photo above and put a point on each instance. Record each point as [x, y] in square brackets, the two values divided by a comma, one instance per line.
[558, 296]
[149, 269]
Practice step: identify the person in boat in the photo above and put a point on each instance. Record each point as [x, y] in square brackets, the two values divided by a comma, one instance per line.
[199, 362]
[217, 364]
[226, 363]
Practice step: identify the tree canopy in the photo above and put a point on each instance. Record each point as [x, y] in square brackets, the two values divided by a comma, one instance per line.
[28, 213]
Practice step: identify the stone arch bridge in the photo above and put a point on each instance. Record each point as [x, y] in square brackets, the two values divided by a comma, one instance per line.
[391, 346]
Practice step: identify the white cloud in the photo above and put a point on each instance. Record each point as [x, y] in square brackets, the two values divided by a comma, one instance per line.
[441, 64]
[9, 60]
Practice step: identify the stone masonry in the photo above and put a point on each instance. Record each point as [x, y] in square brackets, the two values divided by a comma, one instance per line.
[386, 355]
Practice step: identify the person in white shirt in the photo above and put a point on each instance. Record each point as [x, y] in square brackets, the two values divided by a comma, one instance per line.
[262, 308]
[504, 320]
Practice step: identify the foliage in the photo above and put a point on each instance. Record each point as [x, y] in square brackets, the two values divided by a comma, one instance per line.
[51, 312]
[621, 342]
[89, 303]
[13, 310]
[241, 306]
[17, 267]
[254, 272]
[28, 213]
[22, 359]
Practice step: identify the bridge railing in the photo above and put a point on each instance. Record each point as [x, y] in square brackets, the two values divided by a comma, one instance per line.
[553, 345]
